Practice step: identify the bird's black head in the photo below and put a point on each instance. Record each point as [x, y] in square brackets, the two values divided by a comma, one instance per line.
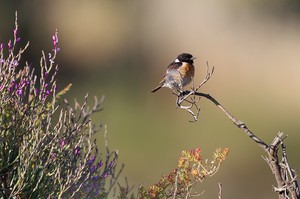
[185, 57]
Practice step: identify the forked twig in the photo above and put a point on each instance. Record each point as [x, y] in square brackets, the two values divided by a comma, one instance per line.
[287, 185]
[190, 96]
[207, 77]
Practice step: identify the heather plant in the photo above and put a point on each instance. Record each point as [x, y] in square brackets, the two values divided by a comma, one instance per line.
[46, 145]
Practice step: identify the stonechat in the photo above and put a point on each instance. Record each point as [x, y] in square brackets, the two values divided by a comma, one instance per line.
[179, 73]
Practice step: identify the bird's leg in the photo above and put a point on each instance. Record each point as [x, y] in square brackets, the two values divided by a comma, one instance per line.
[182, 97]
[179, 94]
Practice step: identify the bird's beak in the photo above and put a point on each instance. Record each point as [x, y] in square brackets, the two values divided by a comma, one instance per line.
[194, 58]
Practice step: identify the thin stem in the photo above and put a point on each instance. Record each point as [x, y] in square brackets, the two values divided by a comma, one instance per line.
[220, 191]
[237, 122]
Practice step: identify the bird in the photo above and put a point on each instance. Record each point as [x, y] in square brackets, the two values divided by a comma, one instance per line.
[179, 73]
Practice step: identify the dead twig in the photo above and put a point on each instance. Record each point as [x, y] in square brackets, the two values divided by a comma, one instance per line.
[220, 191]
[191, 98]
[287, 185]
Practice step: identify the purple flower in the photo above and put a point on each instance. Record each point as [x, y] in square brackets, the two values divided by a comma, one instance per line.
[1, 46]
[46, 93]
[19, 92]
[15, 32]
[91, 160]
[55, 42]
[53, 155]
[111, 164]
[11, 89]
[9, 45]
[77, 150]
[57, 49]
[15, 63]
[63, 144]
[104, 175]
[95, 178]
[18, 39]
[93, 169]
[100, 164]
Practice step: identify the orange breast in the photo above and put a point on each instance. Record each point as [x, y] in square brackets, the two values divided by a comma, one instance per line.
[187, 72]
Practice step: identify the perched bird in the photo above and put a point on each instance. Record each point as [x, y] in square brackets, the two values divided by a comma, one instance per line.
[179, 73]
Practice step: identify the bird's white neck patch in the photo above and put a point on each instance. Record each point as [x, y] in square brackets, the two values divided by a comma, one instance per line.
[176, 61]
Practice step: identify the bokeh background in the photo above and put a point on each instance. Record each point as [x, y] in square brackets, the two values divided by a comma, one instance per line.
[120, 49]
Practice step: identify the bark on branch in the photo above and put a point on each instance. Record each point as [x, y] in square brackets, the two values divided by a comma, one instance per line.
[287, 185]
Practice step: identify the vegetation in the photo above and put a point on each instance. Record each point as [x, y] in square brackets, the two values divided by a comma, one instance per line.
[47, 149]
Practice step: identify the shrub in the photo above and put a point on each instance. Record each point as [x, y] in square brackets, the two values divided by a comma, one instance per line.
[46, 145]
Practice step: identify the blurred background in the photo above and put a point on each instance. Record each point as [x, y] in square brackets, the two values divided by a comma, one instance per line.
[121, 49]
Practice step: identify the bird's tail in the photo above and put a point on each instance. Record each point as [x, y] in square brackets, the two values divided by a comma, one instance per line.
[156, 89]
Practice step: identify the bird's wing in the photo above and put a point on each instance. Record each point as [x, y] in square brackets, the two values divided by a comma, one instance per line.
[174, 66]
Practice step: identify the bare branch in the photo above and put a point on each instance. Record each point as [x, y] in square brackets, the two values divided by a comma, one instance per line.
[287, 185]
[286, 182]
[220, 191]
[191, 98]
[209, 73]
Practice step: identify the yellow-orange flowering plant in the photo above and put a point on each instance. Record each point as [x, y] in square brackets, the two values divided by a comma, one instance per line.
[191, 170]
